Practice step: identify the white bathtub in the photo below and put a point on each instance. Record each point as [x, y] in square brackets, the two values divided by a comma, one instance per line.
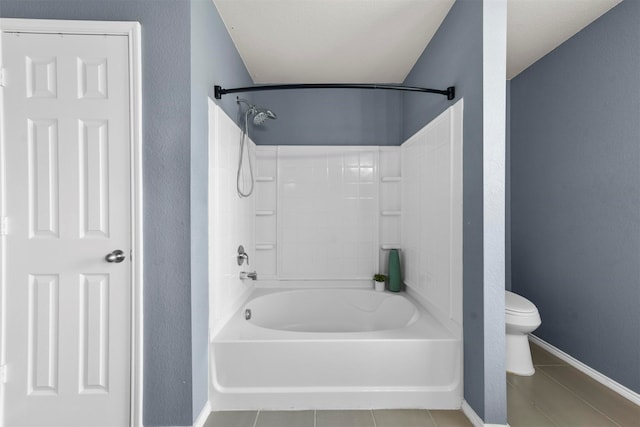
[334, 349]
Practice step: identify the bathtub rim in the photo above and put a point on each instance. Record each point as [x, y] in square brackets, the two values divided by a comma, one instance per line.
[427, 326]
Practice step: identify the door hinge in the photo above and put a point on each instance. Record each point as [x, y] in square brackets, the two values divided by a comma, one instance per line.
[3, 374]
[3, 75]
[4, 226]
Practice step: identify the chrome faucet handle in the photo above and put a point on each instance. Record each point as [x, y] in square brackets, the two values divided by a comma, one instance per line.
[248, 275]
[242, 255]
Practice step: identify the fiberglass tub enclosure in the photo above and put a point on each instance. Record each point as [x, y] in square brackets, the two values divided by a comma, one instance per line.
[351, 364]
[322, 220]
[346, 360]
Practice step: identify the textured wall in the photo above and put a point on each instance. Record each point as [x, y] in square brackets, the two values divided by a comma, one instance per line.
[214, 60]
[165, 143]
[454, 58]
[330, 117]
[575, 197]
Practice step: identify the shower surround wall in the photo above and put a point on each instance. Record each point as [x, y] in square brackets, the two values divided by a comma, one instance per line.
[318, 213]
[432, 216]
[327, 204]
[230, 219]
[369, 191]
[327, 216]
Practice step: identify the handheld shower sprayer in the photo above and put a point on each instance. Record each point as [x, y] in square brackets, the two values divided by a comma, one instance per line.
[260, 115]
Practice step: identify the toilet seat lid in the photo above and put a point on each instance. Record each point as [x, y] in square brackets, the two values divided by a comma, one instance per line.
[518, 304]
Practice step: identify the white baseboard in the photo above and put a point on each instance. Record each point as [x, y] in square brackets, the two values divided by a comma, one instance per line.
[475, 418]
[471, 414]
[601, 378]
[204, 414]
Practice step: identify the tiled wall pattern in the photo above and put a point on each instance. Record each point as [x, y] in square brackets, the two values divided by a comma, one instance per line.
[432, 214]
[231, 219]
[319, 195]
[327, 213]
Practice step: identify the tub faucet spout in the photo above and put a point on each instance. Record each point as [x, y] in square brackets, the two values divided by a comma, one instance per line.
[246, 275]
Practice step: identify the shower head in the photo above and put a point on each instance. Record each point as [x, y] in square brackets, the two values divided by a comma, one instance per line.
[260, 115]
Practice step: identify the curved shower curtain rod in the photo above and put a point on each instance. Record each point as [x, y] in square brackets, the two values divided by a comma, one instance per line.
[450, 92]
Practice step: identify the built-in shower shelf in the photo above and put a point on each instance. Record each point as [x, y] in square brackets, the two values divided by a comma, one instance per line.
[391, 213]
[265, 179]
[265, 213]
[265, 246]
[391, 179]
[389, 246]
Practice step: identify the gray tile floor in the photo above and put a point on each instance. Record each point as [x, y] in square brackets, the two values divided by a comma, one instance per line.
[375, 418]
[560, 395]
[556, 395]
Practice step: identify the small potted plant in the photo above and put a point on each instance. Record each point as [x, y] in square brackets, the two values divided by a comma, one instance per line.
[378, 281]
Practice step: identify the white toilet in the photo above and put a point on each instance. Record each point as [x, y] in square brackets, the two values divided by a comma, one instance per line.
[521, 318]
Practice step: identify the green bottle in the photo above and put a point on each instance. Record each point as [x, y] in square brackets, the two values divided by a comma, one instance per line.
[395, 281]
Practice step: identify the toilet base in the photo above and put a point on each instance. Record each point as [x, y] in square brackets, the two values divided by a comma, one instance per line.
[519, 355]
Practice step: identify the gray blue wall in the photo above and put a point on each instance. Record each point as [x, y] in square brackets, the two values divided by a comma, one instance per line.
[330, 117]
[214, 60]
[575, 193]
[166, 140]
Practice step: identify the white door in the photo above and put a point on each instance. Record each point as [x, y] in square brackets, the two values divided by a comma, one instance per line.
[67, 310]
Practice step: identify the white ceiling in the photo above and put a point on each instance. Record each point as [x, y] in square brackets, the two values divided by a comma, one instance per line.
[379, 41]
[329, 41]
[536, 27]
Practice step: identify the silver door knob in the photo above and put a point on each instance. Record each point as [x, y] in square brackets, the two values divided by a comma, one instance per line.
[115, 256]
